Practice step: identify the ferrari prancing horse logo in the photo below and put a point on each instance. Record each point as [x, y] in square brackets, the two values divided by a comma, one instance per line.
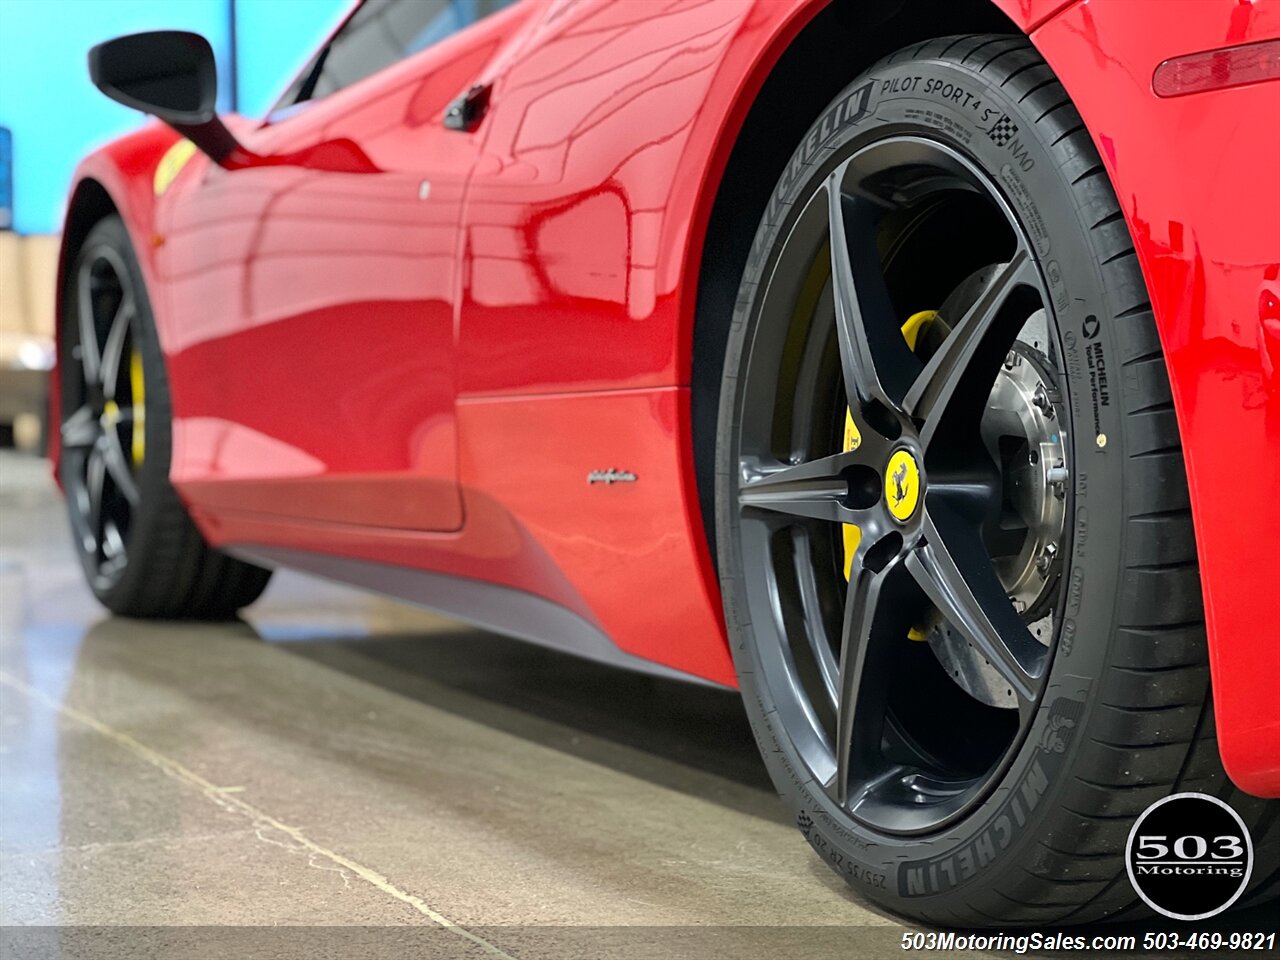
[902, 485]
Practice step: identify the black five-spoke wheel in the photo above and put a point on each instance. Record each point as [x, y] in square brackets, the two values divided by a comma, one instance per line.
[103, 428]
[142, 554]
[922, 480]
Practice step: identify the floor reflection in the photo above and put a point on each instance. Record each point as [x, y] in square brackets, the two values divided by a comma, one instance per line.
[573, 705]
[500, 781]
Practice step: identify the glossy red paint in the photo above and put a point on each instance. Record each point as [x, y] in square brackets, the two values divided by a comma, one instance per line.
[123, 170]
[328, 392]
[541, 319]
[632, 548]
[613, 123]
[625, 166]
[425, 376]
[1197, 177]
[1029, 14]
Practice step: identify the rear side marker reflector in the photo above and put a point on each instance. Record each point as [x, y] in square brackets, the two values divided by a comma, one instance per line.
[1218, 69]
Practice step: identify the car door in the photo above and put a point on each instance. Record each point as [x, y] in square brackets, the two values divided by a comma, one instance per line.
[312, 293]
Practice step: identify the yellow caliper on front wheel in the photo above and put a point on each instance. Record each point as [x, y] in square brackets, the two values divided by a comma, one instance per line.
[852, 439]
[137, 389]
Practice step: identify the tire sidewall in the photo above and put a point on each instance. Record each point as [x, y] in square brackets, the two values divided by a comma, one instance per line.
[944, 101]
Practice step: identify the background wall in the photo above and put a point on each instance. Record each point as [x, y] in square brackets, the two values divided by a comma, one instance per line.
[56, 115]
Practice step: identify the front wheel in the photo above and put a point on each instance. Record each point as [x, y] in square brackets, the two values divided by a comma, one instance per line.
[142, 555]
[956, 550]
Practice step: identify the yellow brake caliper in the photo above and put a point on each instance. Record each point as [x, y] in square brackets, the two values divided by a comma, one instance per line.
[852, 532]
[139, 446]
[852, 439]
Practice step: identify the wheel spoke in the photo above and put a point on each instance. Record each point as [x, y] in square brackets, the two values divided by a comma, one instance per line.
[112, 543]
[876, 361]
[863, 686]
[811, 600]
[117, 465]
[90, 354]
[95, 485]
[817, 490]
[80, 429]
[955, 573]
[964, 365]
[113, 351]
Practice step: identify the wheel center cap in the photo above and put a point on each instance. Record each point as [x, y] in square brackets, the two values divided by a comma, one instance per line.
[110, 414]
[902, 485]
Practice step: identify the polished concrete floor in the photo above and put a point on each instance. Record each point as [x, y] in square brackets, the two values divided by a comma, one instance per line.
[378, 781]
[339, 759]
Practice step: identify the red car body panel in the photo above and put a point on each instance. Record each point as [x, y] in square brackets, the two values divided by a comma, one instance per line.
[1198, 178]
[331, 398]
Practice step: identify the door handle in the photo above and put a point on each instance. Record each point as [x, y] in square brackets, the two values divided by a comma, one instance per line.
[468, 110]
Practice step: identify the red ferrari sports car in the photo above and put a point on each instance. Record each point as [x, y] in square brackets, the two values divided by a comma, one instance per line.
[908, 364]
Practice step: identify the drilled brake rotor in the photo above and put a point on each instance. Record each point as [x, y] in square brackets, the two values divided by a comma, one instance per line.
[1022, 432]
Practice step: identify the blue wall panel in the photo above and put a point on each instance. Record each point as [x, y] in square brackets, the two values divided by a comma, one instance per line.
[274, 39]
[56, 115]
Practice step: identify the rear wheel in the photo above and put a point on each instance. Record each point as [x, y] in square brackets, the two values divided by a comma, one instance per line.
[956, 554]
[142, 555]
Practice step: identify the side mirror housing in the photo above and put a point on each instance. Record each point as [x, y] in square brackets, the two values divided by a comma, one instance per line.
[172, 75]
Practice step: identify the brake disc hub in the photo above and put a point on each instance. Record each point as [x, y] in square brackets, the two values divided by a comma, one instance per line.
[1026, 400]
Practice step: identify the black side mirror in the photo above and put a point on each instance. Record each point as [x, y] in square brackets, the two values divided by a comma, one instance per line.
[172, 75]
